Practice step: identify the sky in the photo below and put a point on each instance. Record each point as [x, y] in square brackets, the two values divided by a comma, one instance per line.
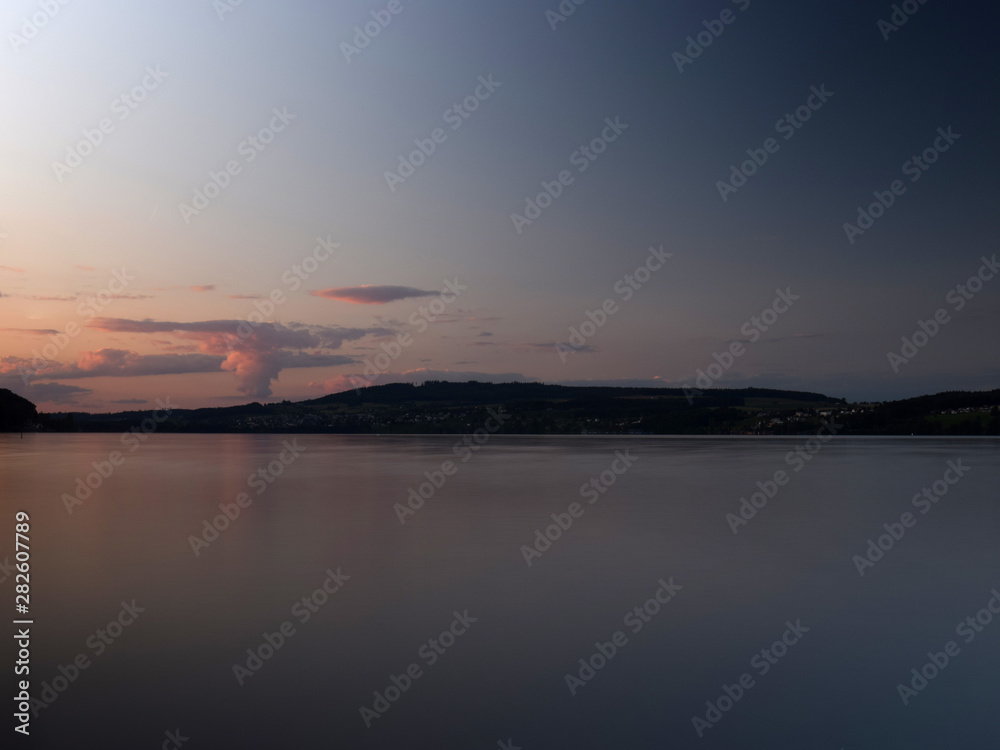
[222, 202]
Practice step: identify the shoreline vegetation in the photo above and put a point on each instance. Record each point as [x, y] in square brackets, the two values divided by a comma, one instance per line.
[438, 407]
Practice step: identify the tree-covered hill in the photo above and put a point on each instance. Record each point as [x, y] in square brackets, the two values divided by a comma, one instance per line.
[16, 413]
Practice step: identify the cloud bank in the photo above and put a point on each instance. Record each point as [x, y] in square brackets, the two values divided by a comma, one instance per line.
[255, 354]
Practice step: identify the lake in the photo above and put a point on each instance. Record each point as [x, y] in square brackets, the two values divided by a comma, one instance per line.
[317, 591]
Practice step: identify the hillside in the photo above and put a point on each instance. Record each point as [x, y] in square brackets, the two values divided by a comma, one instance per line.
[538, 409]
[16, 413]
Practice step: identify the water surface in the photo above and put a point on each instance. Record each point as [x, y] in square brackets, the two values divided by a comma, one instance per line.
[331, 510]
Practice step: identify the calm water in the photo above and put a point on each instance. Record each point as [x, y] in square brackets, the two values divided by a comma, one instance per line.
[504, 676]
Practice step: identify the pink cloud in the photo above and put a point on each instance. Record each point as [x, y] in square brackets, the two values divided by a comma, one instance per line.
[256, 354]
[203, 288]
[371, 294]
[31, 331]
[111, 363]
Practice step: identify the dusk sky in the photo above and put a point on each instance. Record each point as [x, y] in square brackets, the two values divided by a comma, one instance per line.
[125, 272]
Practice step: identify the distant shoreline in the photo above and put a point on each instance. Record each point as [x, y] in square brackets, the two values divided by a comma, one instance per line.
[519, 436]
[538, 409]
